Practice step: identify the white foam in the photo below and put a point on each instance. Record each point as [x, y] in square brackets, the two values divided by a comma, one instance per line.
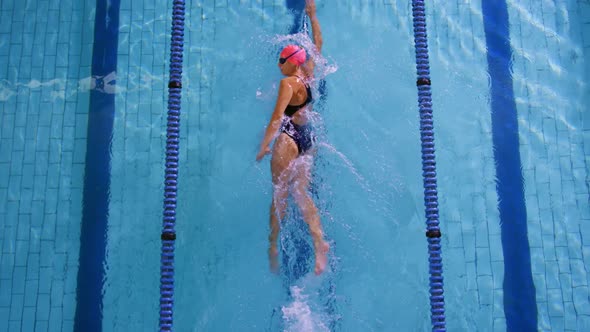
[299, 316]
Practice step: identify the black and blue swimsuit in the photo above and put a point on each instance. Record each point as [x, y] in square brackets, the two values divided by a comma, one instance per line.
[301, 134]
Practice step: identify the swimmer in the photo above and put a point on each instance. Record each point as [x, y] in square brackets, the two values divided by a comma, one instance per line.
[292, 151]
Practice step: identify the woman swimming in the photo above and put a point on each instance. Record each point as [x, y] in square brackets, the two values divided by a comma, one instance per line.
[291, 158]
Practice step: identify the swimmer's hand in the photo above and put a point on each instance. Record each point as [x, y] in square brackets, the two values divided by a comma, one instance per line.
[263, 152]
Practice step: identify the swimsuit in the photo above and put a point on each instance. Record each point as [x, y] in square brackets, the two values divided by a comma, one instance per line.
[292, 109]
[301, 134]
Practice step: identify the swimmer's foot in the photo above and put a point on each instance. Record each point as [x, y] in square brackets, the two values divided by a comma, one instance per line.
[321, 257]
[273, 256]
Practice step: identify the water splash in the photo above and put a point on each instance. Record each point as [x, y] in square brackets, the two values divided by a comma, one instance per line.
[299, 316]
[348, 164]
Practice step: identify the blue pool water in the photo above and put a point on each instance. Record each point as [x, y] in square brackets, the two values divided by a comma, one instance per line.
[512, 136]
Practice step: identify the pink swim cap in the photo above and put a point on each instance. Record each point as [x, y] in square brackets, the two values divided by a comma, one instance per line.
[295, 54]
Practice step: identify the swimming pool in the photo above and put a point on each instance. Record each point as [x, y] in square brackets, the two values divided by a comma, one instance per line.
[367, 175]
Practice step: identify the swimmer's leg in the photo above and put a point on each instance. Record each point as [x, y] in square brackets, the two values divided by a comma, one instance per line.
[310, 212]
[278, 208]
[284, 152]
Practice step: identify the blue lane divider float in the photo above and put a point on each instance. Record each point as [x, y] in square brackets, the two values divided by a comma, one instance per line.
[437, 303]
[171, 173]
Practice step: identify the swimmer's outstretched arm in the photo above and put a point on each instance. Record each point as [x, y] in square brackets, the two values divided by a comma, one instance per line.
[315, 24]
[316, 32]
[285, 94]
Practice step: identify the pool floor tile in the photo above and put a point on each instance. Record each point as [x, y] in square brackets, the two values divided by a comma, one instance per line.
[583, 323]
[28, 319]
